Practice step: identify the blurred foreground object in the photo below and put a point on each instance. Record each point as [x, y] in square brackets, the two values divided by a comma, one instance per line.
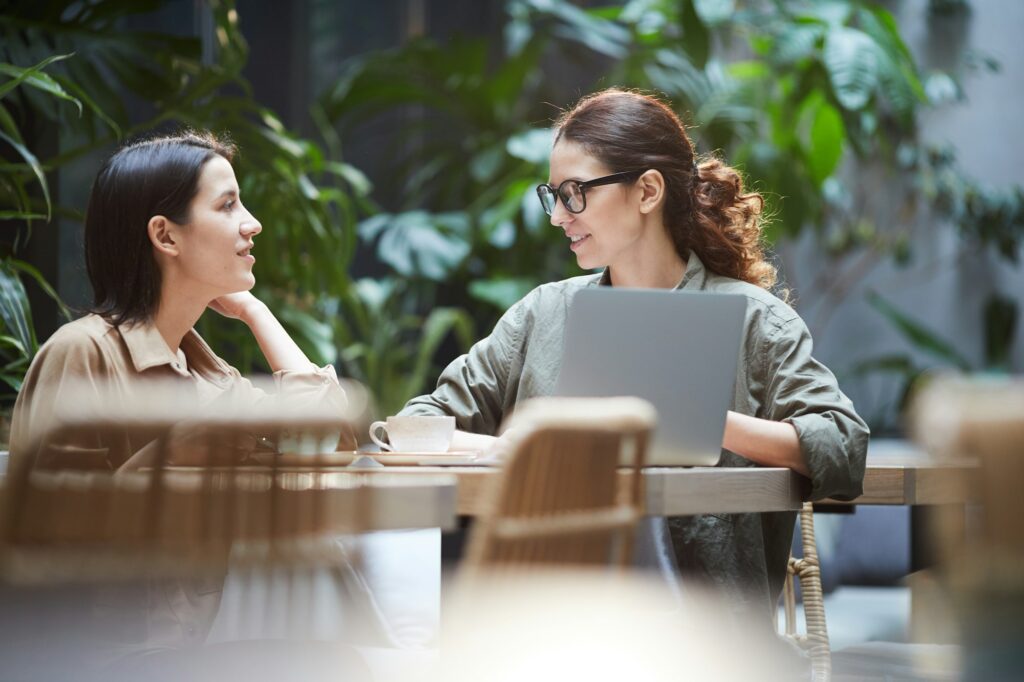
[556, 501]
[982, 555]
[546, 592]
[117, 573]
[593, 625]
[65, 516]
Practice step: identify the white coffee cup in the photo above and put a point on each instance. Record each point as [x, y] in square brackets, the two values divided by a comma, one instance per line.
[415, 433]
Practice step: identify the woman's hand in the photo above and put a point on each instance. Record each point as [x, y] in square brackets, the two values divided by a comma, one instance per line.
[278, 347]
[241, 306]
[490, 447]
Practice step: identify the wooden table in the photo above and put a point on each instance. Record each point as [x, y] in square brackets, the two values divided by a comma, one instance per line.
[356, 501]
[681, 491]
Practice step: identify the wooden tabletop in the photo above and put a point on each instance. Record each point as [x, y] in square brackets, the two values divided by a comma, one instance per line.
[680, 491]
[353, 501]
[897, 474]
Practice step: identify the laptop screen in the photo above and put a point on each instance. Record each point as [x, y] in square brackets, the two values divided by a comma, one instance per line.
[676, 349]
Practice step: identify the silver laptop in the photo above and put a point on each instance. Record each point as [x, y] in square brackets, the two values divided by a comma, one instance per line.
[676, 349]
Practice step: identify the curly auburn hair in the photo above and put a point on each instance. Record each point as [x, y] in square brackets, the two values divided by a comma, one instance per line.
[706, 208]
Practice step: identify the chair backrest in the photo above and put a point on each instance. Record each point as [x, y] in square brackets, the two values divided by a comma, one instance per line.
[66, 516]
[979, 550]
[982, 420]
[562, 498]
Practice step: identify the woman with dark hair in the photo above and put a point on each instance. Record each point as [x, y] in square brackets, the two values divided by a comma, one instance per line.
[166, 237]
[633, 199]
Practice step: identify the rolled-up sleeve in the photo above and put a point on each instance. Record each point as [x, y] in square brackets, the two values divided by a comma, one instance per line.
[311, 386]
[475, 387]
[802, 391]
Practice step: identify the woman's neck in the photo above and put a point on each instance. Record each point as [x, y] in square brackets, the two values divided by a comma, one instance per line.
[654, 264]
[176, 315]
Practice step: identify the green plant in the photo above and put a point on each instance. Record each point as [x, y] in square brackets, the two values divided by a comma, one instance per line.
[998, 320]
[306, 197]
[306, 200]
[478, 146]
[18, 342]
[821, 82]
[805, 97]
[387, 344]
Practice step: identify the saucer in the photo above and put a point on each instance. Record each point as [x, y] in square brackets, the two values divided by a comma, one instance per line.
[341, 459]
[423, 458]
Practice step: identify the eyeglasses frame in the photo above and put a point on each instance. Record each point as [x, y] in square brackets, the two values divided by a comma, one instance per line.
[612, 179]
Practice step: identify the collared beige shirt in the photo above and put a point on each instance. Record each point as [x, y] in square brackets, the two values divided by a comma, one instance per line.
[90, 351]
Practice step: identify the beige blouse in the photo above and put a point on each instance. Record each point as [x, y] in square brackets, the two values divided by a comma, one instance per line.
[90, 351]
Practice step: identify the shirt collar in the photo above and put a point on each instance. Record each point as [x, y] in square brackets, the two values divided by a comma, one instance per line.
[695, 277]
[148, 349]
[146, 346]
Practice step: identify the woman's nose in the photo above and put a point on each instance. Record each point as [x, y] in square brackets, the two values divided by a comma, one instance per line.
[251, 226]
[560, 215]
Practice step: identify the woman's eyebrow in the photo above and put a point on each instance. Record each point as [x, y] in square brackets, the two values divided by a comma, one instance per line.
[227, 193]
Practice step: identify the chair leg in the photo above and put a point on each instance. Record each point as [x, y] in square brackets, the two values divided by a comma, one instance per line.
[809, 571]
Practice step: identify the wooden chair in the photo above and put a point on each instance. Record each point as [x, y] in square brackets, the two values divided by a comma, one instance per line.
[559, 501]
[66, 516]
[808, 570]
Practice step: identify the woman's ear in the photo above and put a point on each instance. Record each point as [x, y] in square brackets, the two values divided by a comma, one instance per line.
[652, 182]
[161, 235]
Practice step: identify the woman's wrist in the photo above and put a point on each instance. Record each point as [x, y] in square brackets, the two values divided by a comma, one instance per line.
[254, 312]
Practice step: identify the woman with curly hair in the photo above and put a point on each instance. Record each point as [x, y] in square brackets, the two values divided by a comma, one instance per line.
[632, 198]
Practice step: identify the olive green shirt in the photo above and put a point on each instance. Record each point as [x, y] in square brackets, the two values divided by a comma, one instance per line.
[777, 379]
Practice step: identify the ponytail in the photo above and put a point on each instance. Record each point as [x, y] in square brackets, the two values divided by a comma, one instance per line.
[726, 229]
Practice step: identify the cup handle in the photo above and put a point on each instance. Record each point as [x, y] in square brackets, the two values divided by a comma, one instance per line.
[373, 435]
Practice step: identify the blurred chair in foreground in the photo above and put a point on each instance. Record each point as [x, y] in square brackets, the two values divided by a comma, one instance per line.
[138, 557]
[557, 501]
[981, 555]
[599, 626]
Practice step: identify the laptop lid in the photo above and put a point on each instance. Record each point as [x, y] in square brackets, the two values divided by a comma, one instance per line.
[676, 349]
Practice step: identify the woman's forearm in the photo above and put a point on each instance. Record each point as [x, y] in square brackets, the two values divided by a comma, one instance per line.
[278, 347]
[765, 442]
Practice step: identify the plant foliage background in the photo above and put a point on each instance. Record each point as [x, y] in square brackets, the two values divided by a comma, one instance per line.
[808, 98]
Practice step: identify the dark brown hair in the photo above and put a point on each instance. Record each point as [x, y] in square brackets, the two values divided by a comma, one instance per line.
[706, 208]
[157, 176]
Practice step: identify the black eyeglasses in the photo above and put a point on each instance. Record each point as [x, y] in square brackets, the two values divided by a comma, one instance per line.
[574, 193]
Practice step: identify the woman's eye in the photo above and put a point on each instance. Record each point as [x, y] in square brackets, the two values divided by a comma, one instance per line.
[228, 205]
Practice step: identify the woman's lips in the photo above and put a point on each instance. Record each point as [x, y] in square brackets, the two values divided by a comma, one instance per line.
[577, 243]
